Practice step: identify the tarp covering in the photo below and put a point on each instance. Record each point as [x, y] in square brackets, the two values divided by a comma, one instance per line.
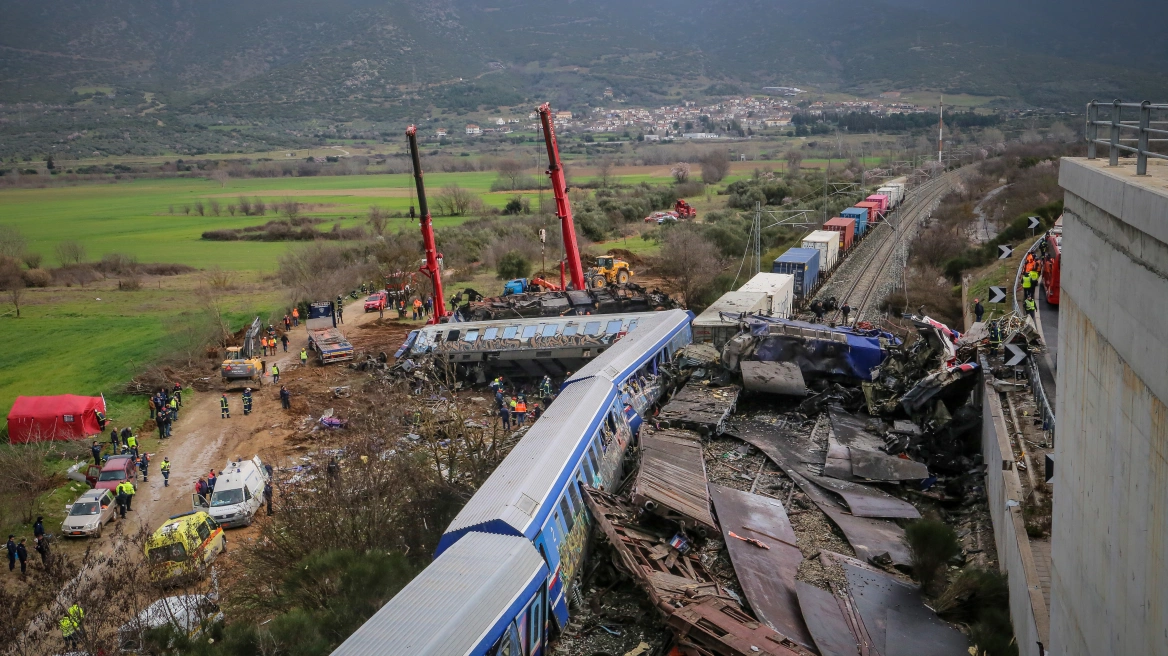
[44, 418]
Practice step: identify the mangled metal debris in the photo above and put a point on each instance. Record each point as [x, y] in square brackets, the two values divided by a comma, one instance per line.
[700, 407]
[762, 546]
[671, 481]
[832, 624]
[613, 299]
[773, 377]
[855, 450]
[704, 618]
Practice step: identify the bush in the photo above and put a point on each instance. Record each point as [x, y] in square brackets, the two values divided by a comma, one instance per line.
[933, 543]
[513, 265]
[32, 260]
[130, 284]
[981, 599]
[37, 278]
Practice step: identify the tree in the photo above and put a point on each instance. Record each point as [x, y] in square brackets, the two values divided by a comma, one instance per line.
[70, 252]
[680, 172]
[214, 207]
[290, 208]
[513, 265]
[454, 201]
[377, 219]
[715, 167]
[221, 176]
[688, 262]
[12, 281]
[200, 208]
[605, 171]
[794, 160]
[510, 170]
[12, 243]
[32, 259]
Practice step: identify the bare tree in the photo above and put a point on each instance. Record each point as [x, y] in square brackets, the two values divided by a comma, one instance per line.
[70, 252]
[214, 206]
[210, 293]
[258, 207]
[200, 208]
[454, 201]
[12, 243]
[510, 170]
[605, 172]
[794, 161]
[680, 172]
[244, 206]
[715, 167]
[688, 262]
[221, 176]
[12, 281]
[231, 209]
[290, 208]
[377, 219]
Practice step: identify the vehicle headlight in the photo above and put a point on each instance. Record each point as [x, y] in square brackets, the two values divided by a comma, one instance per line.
[94, 524]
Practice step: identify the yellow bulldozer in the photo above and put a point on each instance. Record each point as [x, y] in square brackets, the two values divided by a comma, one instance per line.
[608, 271]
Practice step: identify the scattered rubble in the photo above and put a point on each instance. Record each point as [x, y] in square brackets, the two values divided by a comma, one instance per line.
[629, 297]
[671, 481]
[701, 407]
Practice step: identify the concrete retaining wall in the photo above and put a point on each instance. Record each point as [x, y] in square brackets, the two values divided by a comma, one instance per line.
[1028, 609]
[1109, 552]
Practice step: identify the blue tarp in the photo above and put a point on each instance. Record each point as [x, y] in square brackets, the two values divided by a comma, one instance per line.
[855, 358]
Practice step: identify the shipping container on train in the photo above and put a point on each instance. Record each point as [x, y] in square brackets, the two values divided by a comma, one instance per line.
[803, 264]
[781, 289]
[720, 321]
[860, 216]
[874, 215]
[827, 243]
[895, 193]
[884, 201]
[846, 229]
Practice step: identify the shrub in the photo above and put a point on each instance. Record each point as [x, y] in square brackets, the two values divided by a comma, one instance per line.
[513, 265]
[37, 278]
[130, 284]
[32, 260]
[933, 543]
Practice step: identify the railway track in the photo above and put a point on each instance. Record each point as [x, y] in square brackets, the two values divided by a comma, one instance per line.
[865, 282]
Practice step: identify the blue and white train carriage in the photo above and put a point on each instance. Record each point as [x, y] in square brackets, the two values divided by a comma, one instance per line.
[536, 491]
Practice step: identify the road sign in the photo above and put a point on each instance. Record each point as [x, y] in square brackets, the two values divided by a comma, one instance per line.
[1019, 355]
[998, 294]
[1033, 222]
[1006, 251]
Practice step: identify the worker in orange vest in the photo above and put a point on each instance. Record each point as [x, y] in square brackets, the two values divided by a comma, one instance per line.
[520, 412]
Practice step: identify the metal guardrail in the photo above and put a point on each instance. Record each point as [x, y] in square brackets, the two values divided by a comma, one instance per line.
[1040, 397]
[1116, 124]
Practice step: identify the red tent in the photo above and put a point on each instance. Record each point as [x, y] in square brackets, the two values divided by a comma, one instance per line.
[65, 417]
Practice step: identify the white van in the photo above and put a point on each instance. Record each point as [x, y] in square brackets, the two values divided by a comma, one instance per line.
[238, 495]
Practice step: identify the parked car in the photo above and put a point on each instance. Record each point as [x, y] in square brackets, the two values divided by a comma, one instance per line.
[115, 470]
[377, 301]
[661, 217]
[88, 514]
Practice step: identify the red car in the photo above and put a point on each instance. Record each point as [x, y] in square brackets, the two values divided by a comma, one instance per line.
[378, 301]
[116, 470]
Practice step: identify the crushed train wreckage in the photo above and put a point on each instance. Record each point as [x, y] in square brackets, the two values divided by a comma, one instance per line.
[611, 299]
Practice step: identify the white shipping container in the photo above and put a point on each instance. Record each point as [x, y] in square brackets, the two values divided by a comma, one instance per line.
[780, 287]
[895, 192]
[827, 243]
[711, 328]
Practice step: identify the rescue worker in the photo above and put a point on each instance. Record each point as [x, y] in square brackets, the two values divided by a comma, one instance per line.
[11, 547]
[71, 627]
[304, 357]
[276, 368]
[521, 412]
[1033, 275]
[505, 415]
[96, 451]
[978, 309]
[545, 387]
[173, 408]
[287, 322]
[817, 309]
[285, 398]
[1026, 291]
[164, 466]
[101, 420]
[201, 490]
[295, 317]
[1029, 263]
[224, 410]
[246, 401]
[340, 313]
[211, 478]
[117, 447]
[42, 548]
[417, 308]
[38, 528]
[122, 498]
[1030, 307]
[846, 310]
[22, 555]
[177, 394]
[268, 496]
[132, 444]
[126, 433]
[144, 466]
[131, 490]
[161, 421]
[284, 341]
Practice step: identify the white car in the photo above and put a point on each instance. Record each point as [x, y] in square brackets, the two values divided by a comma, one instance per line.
[88, 514]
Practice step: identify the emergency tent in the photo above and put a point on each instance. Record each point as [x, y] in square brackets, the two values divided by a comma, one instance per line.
[64, 417]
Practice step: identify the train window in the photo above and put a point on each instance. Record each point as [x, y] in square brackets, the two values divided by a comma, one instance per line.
[588, 471]
[569, 330]
[491, 333]
[596, 453]
[633, 324]
[471, 335]
[560, 524]
[575, 492]
[534, 623]
[529, 331]
[566, 510]
[549, 330]
[592, 327]
[510, 331]
[591, 461]
[613, 327]
[452, 336]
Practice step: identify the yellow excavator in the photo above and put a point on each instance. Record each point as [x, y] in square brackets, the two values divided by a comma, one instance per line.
[608, 271]
[242, 362]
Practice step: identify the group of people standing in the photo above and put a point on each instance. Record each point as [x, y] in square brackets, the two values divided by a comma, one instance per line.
[514, 410]
[164, 406]
[18, 551]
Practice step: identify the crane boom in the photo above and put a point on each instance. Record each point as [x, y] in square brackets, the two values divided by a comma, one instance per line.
[430, 268]
[563, 208]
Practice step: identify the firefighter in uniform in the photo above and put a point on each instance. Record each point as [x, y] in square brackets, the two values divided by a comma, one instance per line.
[224, 409]
[247, 401]
[165, 467]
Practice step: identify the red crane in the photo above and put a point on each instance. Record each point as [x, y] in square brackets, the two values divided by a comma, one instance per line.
[430, 268]
[563, 208]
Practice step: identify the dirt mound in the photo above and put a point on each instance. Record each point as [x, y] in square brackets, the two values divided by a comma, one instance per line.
[627, 255]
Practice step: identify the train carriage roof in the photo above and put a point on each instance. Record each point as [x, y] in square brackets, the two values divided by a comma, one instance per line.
[514, 500]
[459, 605]
[635, 349]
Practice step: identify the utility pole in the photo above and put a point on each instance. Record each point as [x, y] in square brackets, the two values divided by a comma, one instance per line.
[756, 233]
[941, 131]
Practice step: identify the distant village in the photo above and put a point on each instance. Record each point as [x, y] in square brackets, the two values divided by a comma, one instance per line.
[690, 120]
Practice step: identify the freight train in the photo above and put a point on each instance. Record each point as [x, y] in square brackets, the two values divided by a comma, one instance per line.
[823, 250]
